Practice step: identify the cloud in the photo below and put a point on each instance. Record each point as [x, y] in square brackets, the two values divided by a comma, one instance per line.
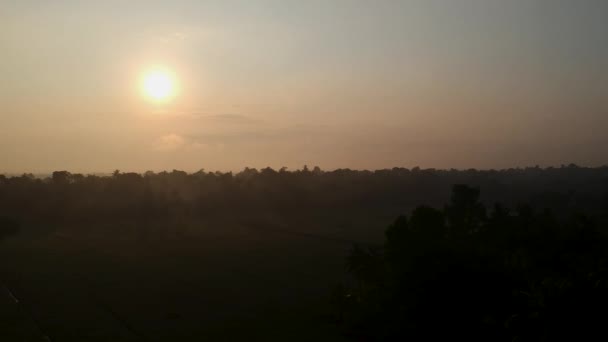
[175, 142]
[198, 145]
[241, 137]
[172, 37]
[228, 118]
[263, 134]
[169, 142]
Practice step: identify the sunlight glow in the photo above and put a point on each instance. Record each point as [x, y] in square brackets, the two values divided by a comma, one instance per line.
[159, 85]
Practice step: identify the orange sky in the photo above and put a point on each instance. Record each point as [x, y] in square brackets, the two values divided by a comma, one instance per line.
[358, 84]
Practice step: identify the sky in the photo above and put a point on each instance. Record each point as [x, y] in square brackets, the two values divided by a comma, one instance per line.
[338, 84]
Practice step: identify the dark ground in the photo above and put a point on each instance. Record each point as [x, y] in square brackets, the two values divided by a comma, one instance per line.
[220, 256]
[231, 281]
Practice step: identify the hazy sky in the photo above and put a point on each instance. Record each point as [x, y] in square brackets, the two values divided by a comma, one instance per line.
[358, 84]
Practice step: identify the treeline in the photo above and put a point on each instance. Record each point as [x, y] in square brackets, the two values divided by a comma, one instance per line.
[67, 196]
[466, 272]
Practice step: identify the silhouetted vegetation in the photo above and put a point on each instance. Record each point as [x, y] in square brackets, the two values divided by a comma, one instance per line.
[177, 256]
[8, 227]
[466, 274]
[161, 196]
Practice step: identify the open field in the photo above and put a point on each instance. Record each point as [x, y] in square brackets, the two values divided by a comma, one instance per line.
[251, 281]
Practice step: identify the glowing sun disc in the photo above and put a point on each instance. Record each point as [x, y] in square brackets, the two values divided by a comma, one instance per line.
[159, 85]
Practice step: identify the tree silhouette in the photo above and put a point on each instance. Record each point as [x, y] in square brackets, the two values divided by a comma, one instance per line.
[458, 274]
[8, 227]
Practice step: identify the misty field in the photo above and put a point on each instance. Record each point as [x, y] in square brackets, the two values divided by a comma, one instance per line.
[215, 281]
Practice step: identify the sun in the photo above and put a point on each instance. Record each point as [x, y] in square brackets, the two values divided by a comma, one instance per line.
[159, 85]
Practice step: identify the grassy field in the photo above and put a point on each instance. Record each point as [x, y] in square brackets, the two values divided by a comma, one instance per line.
[205, 281]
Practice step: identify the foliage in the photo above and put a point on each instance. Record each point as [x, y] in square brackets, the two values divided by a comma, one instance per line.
[65, 196]
[461, 274]
[8, 227]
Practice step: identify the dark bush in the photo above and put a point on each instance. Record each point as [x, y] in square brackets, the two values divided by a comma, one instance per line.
[459, 274]
[8, 227]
